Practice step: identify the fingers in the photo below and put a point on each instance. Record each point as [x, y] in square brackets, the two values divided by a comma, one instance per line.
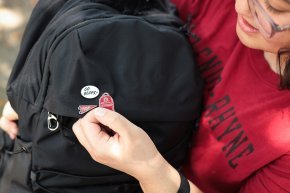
[120, 151]
[114, 121]
[91, 126]
[93, 138]
[10, 127]
[79, 133]
[88, 132]
[111, 119]
[99, 143]
[7, 121]
[9, 113]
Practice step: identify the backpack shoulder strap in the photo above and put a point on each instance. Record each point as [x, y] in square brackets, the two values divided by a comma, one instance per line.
[41, 15]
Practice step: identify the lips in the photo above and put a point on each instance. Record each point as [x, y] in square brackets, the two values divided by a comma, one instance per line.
[246, 26]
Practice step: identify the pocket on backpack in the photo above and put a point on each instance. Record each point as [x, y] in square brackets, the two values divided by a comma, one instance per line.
[4, 175]
[57, 148]
[61, 164]
[21, 159]
[58, 182]
[6, 144]
[3, 161]
[18, 167]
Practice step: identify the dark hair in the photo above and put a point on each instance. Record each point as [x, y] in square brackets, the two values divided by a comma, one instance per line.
[284, 59]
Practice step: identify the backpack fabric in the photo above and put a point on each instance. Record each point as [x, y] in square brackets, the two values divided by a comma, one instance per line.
[6, 147]
[131, 57]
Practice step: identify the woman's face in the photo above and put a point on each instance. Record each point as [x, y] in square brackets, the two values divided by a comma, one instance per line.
[249, 29]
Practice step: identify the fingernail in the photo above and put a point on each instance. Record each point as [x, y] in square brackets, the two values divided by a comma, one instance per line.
[100, 112]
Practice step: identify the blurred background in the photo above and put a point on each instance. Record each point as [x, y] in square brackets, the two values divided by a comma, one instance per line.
[14, 15]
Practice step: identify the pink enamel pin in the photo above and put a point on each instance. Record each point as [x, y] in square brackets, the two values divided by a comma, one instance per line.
[106, 101]
[86, 108]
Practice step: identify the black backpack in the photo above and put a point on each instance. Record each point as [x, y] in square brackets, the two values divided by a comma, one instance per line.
[131, 56]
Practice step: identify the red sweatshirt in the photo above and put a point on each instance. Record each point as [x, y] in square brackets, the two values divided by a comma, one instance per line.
[243, 141]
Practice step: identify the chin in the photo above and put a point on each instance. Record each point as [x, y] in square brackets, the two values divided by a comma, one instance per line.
[255, 41]
[247, 40]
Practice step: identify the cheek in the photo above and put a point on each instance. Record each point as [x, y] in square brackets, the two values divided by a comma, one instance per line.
[242, 7]
[280, 40]
[257, 41]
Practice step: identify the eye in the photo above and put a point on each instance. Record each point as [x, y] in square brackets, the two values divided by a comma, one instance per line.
[272, 9]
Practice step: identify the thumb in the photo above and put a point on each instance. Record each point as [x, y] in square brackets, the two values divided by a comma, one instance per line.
[115, 121]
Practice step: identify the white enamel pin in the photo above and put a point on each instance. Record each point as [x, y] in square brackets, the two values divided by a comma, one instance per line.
[90, 92]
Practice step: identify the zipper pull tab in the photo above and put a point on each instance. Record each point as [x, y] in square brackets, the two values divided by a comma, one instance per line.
[52, 122]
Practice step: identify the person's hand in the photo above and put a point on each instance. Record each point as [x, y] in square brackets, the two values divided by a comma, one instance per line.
[129, 150]
[8, 121]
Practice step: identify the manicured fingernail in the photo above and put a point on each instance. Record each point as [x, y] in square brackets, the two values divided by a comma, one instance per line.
[100, 112]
